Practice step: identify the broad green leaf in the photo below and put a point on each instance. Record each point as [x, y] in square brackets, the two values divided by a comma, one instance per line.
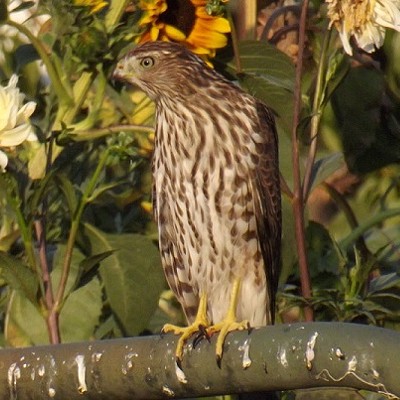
[262, 57]
[132, 276]
[89, 266]
[275, 96]
[325, 167]
[268, 74]
[19, 276]
[79, 315]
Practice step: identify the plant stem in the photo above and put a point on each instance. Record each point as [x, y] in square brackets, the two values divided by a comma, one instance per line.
[235, 44]
[316, 115]
[52, 318]
[90, 134]
[63, 93]
[297, 201]
[57, 305]
[115, 12]
[15, 201]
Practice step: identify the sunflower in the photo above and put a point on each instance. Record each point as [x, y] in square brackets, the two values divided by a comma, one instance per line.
[365, 20]
[184, 21]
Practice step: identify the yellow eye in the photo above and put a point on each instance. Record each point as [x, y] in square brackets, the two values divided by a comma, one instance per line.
[147, 62]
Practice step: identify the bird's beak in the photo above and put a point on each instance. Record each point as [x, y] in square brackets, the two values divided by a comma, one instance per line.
[119, 73]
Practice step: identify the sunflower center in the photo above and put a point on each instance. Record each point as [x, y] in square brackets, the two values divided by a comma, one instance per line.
[180, 14]
[354, 13]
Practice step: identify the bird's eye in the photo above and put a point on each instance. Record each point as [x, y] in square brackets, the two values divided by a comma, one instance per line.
[147, 62]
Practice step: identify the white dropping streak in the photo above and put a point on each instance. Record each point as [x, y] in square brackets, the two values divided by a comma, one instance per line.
[13, 374]
[169, 392]
[339, 353]
[96, 357]
[352, 364]
[283, 359]
[310, 350]
[246, 360]
[80, 362]
[41, 370]
[180, 374]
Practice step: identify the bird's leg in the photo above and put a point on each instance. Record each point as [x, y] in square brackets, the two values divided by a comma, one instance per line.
[199, 324]
[229, 323]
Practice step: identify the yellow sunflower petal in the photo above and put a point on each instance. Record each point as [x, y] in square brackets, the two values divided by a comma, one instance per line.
[154, 33]
[147, 18]
[219, 24]
[201, 37]
[174, 33]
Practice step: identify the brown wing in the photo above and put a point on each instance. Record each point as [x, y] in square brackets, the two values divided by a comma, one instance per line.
[268, 203]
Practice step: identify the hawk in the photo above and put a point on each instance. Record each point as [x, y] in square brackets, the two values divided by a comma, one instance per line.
[216, 191]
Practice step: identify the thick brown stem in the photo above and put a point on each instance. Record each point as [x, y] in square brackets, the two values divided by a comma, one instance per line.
[298, 202]
[52, 317]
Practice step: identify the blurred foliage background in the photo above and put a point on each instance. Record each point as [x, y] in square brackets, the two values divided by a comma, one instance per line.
[79, 257]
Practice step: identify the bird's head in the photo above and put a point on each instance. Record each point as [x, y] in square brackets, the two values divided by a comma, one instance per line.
[163, 69]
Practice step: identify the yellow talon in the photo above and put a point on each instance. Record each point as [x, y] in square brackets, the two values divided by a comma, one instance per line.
[229, 323]
[199, 324]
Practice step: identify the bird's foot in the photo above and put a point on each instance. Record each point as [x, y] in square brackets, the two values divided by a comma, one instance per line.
[227, 325]
[199, 326]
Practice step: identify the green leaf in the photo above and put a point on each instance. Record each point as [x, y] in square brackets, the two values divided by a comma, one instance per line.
[325, 167]
[384, 282]
[386, 241]
[89, 266]
[323, 255]
[79, 315]
[338, 67]
[132, 276]
[268, 74]
[275, 96]
[69, 192]
[19, 276]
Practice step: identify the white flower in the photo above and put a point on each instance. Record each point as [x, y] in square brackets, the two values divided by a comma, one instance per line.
[365, 20]
[15, 126]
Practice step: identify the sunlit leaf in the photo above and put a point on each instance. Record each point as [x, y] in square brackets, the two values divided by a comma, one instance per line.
[79, 315]
[132, 276]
